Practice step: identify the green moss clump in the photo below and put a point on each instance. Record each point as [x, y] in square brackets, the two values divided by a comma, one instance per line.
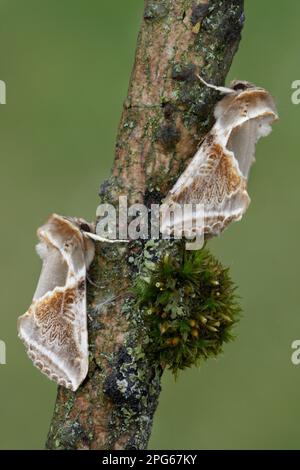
[189, 307]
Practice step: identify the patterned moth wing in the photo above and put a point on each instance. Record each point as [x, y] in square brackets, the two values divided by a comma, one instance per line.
[217, 175]
[54, 329]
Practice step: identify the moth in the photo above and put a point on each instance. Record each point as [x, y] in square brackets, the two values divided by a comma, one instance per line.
[54, 329]
[217, 175]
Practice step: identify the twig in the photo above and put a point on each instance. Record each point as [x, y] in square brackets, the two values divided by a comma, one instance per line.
[166, 114]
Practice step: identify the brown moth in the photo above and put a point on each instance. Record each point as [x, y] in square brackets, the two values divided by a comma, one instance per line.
[54, 329]
[217, 175]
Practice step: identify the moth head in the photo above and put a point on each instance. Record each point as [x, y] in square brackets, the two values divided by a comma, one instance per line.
[241, 85]
[80, 224]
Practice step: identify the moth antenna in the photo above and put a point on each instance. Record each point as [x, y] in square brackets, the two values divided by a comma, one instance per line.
[97, 238]
[221, 89]
[92, 282]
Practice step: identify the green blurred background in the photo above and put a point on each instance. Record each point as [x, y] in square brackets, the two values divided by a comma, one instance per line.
[66, 64]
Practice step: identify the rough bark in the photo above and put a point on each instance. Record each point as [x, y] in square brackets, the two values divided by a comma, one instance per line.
[166, 114]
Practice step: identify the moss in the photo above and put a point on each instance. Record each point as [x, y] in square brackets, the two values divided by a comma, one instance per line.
[189, 306]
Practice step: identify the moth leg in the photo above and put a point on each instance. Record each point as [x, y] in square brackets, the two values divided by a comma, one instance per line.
[101, 239]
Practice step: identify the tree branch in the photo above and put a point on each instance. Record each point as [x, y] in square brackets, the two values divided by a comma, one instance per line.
[166, 115]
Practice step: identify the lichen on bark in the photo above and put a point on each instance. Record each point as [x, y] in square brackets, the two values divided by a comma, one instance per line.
[166, 114]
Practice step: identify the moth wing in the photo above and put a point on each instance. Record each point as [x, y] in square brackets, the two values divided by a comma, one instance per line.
[212, 180]
[217, 176]
[54, 329]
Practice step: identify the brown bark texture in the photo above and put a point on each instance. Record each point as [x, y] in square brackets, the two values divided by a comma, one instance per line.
[166, 114]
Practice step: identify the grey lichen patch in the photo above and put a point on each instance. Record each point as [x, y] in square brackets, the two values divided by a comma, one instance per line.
[133, 386]
[169, 109]
[194, 100]
[199, 102]
[133, 383]
[114, 407]
[229, 21]
[69, 435]
[128, 383]
[188, 304]
[109, 190]
[168, 135]
[152, 196]
[152, 125]
[199, 12]
[69, 403]
[221, 24]
[130, 124]
[155, 10]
